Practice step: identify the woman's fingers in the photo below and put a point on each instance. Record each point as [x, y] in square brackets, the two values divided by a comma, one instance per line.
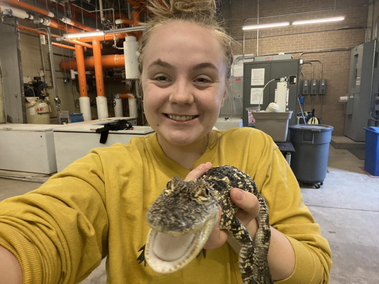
[198, 171]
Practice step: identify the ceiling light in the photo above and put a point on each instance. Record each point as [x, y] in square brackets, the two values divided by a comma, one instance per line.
[81, 35]
[316, 21]
[263, 26]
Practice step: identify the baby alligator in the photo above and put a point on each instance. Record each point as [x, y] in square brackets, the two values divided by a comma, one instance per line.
[183, 216]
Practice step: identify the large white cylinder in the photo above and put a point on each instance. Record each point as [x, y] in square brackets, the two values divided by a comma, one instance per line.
[37, 111]
[132, 107]
[85, 108]
[102, 107]
[118, 108]
[131, 58]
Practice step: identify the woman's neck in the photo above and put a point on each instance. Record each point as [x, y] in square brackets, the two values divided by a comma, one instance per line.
[184, 155]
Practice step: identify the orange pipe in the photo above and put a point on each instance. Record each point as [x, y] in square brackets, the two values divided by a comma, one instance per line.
[20, 27]
[78, 43]
[124, 96]
[63, 45]
[98, 68]
[52, 35]
[107, 61]
[102, 38]
[81, 71]
[81, 26]
[63, 27]
[30, 7]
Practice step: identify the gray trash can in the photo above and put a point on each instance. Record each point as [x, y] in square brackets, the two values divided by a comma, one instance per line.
[309, 162]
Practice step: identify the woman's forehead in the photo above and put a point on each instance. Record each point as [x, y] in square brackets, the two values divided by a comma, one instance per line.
[184, 41]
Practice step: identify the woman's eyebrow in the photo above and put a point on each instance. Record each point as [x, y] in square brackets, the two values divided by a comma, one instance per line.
[161, 63]
[205, 65]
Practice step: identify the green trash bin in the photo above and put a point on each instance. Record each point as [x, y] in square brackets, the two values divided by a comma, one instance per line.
[309, 162]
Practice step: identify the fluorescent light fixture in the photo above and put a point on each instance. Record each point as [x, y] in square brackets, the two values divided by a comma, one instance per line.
[263, 26]
[81, 35]
[126, 30]
[316, 21]
[101, 33]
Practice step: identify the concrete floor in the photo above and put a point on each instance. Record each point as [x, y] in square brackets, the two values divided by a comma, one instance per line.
[346, 207]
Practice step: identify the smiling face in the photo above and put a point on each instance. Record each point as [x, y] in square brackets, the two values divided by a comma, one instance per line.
[183, 81]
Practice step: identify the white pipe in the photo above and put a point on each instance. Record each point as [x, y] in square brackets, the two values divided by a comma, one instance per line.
[118, 108]
[15, 12]
[102, 107]
[85, 108]
[132, 107]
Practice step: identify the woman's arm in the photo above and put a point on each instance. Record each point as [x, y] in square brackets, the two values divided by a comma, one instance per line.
[10, 269]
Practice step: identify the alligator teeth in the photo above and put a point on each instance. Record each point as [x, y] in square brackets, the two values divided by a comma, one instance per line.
[181, 117]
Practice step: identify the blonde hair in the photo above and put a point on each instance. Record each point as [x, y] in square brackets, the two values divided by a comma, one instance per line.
[201, 12]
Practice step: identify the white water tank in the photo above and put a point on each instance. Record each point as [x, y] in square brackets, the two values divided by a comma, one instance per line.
[131, 58]
[37, 110]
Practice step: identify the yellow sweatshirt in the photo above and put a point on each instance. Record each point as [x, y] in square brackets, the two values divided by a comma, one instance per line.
[96, 207]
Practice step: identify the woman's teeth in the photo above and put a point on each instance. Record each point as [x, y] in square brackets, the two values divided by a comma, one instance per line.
[181, 118]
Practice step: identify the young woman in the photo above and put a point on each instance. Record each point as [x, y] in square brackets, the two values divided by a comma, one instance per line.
[96, 207]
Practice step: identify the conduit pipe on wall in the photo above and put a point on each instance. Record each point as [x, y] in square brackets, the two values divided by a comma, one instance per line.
[107, 61]
[101, 100]
[84, 102]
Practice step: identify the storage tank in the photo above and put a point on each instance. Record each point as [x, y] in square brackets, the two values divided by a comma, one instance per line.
[37, 110]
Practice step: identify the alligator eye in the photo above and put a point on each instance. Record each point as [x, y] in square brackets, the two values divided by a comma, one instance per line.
[207, 191]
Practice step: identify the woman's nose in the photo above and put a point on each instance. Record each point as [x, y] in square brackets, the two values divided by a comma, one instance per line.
[181, 93]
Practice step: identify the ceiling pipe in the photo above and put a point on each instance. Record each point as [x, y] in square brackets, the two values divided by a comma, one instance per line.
[63, 45]
[68, 21]
[30, 8]
[20, 27]
[107, 61]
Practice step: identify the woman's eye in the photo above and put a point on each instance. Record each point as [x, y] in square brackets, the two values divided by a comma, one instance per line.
[161, 78]
[202, 80]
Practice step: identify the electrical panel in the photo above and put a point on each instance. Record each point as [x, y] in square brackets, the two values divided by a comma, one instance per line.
[322, 87]
[305, 91]
[314, 84]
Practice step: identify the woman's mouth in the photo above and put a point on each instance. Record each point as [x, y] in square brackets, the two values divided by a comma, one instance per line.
[181, 117]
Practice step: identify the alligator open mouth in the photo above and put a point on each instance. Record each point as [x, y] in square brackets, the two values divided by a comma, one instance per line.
[166, 253]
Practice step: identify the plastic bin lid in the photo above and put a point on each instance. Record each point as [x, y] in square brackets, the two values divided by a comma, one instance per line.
[311, 127]
[372, 129]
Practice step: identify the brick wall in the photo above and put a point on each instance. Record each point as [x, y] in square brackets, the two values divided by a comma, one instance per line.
[298, 40]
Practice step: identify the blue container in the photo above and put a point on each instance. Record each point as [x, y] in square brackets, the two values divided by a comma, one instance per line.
[372, 150]
[76, 117]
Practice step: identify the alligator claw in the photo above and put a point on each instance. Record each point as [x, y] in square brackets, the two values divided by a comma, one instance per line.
[203, 251]
[141, 258]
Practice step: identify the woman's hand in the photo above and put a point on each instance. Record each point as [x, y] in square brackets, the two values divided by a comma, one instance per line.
[247, 212]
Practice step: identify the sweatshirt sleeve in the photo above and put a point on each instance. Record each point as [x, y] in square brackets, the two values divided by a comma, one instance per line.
[58, 232]
[289, 215]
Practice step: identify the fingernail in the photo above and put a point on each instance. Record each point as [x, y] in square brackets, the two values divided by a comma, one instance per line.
[239, 195]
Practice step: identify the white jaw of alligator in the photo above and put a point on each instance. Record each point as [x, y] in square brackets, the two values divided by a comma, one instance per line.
[167, 253]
